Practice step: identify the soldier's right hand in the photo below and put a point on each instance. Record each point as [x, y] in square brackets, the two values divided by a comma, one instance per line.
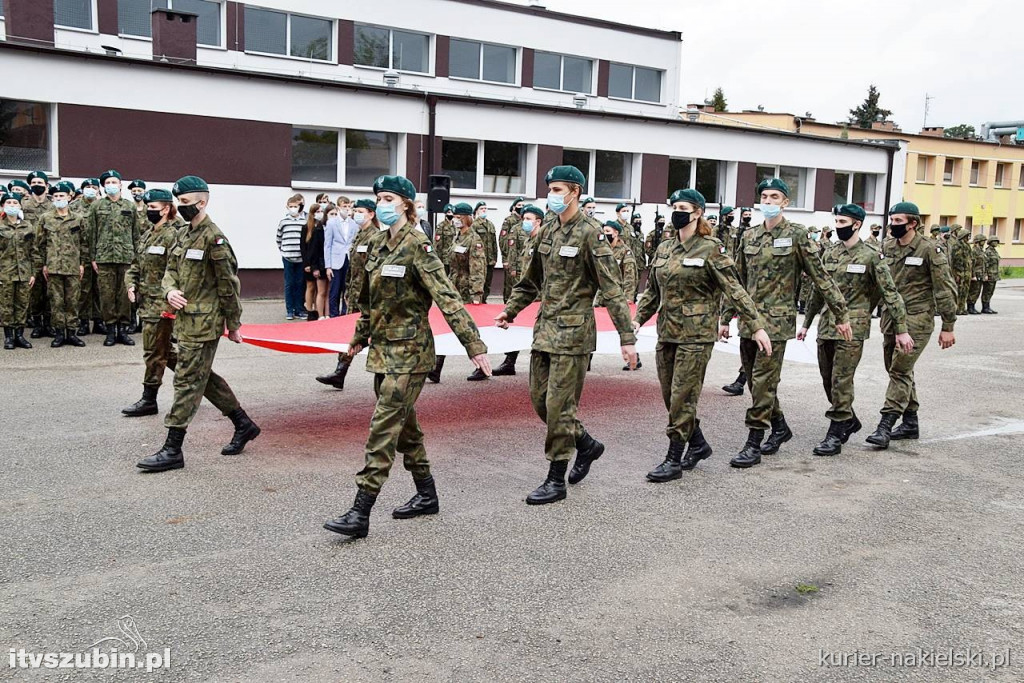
[46, 273]
[764, 342]
[131, 294]
[95, 268]
[723, 332]
[636, 327]
[802, 334]
[502, 320]
[353, 350]
[176, 298]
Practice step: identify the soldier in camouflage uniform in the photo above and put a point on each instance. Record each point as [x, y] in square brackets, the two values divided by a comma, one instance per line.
[113, 226]
[988, 287]
[35, 205]
[201, 285]
[723, 231]
[138, 191]
[404, 277]
[746, 216]
[770, 260]
[19, 262]
[803, 287]
[654, 239]
[489, 236]
[88, 299]
[444, 234]
[634, 239]
[509, 227]
[519, 252]
[589, 207]
[872, 240]
[65, 256]
[961, 264]
[689, 276]
[977, 273]
[863, 277]
[625, 262]
[572, 260]
[920, 269]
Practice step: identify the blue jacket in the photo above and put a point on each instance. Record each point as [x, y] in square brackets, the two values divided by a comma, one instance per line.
[338, 238]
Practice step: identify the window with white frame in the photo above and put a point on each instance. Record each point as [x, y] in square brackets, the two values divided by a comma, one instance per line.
[561, 72]
[609, 173]
[294, 35]
[950, 172]
[709, 178]
[924, 166]
[1016, 229]
[1020, 179]
[481, 61]
[634, 83]
[977, 172]
[73, 14]
[386, 48]
[580, 158]
[1002, 174]
[854, 188]
[680, 175]
[794, 177]
[485, 166]
[351, 158]
[134, 18]
[25, 141]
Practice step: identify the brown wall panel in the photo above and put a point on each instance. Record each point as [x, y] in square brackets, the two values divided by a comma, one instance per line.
[548, 156]
[603, 70]
[527, 80]
[106, 16]
[346, 41]
[235, 33]
[29, 21]
[174, 36]
[824, 180]
[415, 160]
[442, 46]
[746, 174]
[654, 178]
[163, 147]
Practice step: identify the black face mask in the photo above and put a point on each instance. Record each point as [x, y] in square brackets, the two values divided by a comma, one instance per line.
[449, 216]
[875, 232]
[188, 211]
[845, 233]
[519, 210]
[746, 221]
[38, 190]
[637, 224]
[153, 215]
[680, 219]
[898, 231]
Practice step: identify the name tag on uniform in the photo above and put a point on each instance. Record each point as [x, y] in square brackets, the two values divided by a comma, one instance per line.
[460, 249]
[569, 251]
[362, 248]
[392, 271]
[194, 254]
[914, 261]
[698, 262]
[856, 268]
[783, 242]
[156, 249]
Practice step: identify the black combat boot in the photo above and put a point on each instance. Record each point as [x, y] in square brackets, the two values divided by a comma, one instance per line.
[99, 327]
[971, 309]
[908, 429]
[833, 442]
[669, 469]
[638, 364]
[337, 378]
[508, 366]
[58, 339]
[423, 503]
[19, 338]
[750, 455]
[698, 449]
[883, 433]
[169, 457]
[780, 435]
[355, 522]
[477, 376]
[988, 310]
[736, 388]
[122, 336]
[853, 426]
[72, 339]
[435, 374]
[145, 405]
[8, 339]
[245, 431]
[83, 328]
[111, 334]
[38, 328]
[588, 449]
[312, 315]
[553, 487]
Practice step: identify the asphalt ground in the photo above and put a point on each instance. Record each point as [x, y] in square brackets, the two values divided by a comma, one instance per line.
[866, 566]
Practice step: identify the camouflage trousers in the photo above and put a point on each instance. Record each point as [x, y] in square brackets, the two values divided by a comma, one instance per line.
[114, 305]
[39, 304]
[681, 370]
[88, 297]
[194, 378]
[394, 429]
[837, 363]
[763, 375]
[64, 291]
[487, 282]
[506, 290]
[556, 384]
[963, 286]
[975, 292]
[901, 395]
[988, 288]
[14, 298]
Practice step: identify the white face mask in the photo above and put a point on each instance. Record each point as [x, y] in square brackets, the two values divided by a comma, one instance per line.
[293, 211]
[457, 223]
[345, 213]
[323, 206]
[319, 215]
[624, 215]
[360, 218]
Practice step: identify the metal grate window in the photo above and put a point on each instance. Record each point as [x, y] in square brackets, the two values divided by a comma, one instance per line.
[73, 13]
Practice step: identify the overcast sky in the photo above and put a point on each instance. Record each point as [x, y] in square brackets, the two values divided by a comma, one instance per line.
[821, 55]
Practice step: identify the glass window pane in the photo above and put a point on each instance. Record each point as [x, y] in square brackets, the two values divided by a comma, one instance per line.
[458, 160]
[409, 51]
[499, 64]
[922, 169]
[947, 171]
[368, 155]
[707, 179]
[311, 38]
[314, 153]
[1, 8]
[576, 75]
[266, 31]
[133, 18]
[620, 81]
[840, 188]
[24, 136]
[864, 191]
[648, 85]
[464, 59]
[763, 173]
[208, 23]
[678, 175]
[503, 167]
[794, 177]
[581, 160]
[371, 48]
[547, 71]
[73, 13]
[612, 174]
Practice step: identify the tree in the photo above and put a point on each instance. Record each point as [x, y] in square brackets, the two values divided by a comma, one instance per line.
[962, 132]
[868, 112]
[718, 101]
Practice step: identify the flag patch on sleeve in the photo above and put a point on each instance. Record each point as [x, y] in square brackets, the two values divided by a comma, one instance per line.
[220, 240]
[427, 248]
[721, 250]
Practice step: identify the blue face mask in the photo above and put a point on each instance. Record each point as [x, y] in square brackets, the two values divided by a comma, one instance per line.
[556, 202]
[528, 226]
[770, 211]
[60, 203]
[387, 214]
[89, 193]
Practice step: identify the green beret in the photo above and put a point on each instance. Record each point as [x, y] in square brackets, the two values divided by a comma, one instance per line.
[979, 238]
[449, 207]
[109, 174]
[189, 183]
[463, 209]
[141, 184]
[478, 205]
[690, 196]
[588, 200]
[620, 207]
[566, 174]
[18, 183]
[535, 210]
[395, 184]
[614, 224]
[908, 208]
[944, 228]
[65, 186]
[515, 201]
[850, 211]
[712, 216]
[8, 197]
[994, 239]
[95, 182]
[772, 184]
[38, 174]
[726, 210]
[369, 204]
[637, 215]
[157, 195]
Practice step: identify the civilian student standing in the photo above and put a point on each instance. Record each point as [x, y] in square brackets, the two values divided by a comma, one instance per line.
[289, 241]
[339, 232]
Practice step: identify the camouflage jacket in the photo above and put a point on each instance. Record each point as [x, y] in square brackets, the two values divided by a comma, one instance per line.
[978, 262]
[653, 241]
[444, 235]
[992, 263]
[489, 237]
[20, 258]
[959, 252]
[64, 244]
[569, 264]
[508, 229]
[34, 210]
[921, 273]
[113, 228]
[873, 241]
[202, 266]
[863, 277]
[81, 206]
[357, 259]
[626, 268]
[468, 267]
[146, 274]
[403, 276]
[770, 263]
[687, 282]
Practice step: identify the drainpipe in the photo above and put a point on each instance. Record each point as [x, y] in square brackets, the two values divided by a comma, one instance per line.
[888, 188]
[431, 134]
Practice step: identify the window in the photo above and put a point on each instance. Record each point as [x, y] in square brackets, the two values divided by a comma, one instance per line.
[978, 173]
[490, 166]
[709, 179]
[24, 136]
[1016, 229]
[482, 61]
[792, 176]
[133, 18]
[73, 14]
[612, 174]
[924, 167]
[581, 160]
[949, 172]
[995, 228]
[679, 175]
[969, 223]
[388, 49]
[634, 83]
[1020, 180]
[560, 72]
[278, 33]
[1002, 174]
[458, 160]
[863, 191]
[352, 158]
[841, 188]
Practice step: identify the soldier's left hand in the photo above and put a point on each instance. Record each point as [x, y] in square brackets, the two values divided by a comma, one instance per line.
[946, 339]
[723, 332]
[482, 364]
[46, 273]
[234, 336]
[845, 331]
[904, 342]
[502, 320]
[802, 334]
[629, 355]
[31, 281]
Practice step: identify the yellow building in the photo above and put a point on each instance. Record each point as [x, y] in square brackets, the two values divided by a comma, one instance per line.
[979, 185]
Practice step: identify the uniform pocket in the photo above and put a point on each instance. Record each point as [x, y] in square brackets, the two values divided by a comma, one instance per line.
[400, 332]
[569, 320]
[690, 308]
